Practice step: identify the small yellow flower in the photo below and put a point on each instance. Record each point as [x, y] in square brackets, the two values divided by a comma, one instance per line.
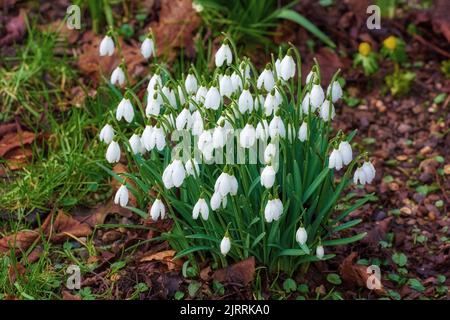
[364, 49]
[390, 43]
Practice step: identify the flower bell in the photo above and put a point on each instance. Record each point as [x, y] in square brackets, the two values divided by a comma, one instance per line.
[278, 67]
[125, 110]
[245, 101]
[301, 236]
[147, 47]
[364, 174]
[320, 252]
[192, 168]
[335, 160]
[146, 138]
[106, 46]
[174, 174]
[113, 152]
[303, 132]
[154, 80]
[223, 55]
[212, 99]
[306, 104]
[136, 145]
[106, 134]
[197, 123]
[266, 79]
[346, 152]
[190, 83]
[184, 120]
[271, 103]
[270, 153]
[316, 96]
[219, 137]
[205, 144]
[170, 95]
[121, 196]
[226, 86]
[218, 200]
[277, 128]
[262, 130]
[335, 90]
[200, 208]
[325, 109]
[225, 245]
[158, 210]
[247, 136]
[118, 77]
[236, 82]
[153, 105]
[157, 139]
[287, 67]
[268, 177]
[201, 94]
[273, 210]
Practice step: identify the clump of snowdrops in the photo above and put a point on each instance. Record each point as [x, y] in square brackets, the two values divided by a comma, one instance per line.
[243, 161]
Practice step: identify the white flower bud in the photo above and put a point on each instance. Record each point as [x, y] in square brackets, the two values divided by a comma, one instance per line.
[335, 160]
[223, 55]
[135, 144]
[346, 152]
[190, 83]
[121, 196]
[303, 132]
[369, 171]
[301, 236]
[225, 246]
[106, 46]
[226, 86]
[287, 68]
[336, 91]
[325, 111]
[147, 48]
[247, 136]
[320, 252]
[158, 210]
[118, 76]
[266, 79]
[268, 177]
[212, 99]
[316, 96]
[245, 102]
[107, 134]
[113, 152]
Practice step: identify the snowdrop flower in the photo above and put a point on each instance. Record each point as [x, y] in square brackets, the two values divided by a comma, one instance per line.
[200, 208]
[266, 79]
[212, 99]
[336, 91]
[106, 46]
[268, 177]
[359, 176]
[303, 132]
[223, 54]
[273, 210]
[247, 137]
[125, 110]
[316, 96]
[217, 200]
[287, 67]
[121, 196]
[107, 134]
[113, 152]
[223, 184]
[278, 67]
[184, 119]
[271, 103]
[205, 144]
[146, 138]
[309, 77]
[233, 185]
[276, 127]
[157, 139]
[325, 111]
[153, 105]
[245, 101]
[147, 48]
[190, 83]
[262, 130]
[306, 104]
[181, 95]
[197, 123]
[225, 86]
[320, 252]
[225, 246]
[364, 174]
[270, 153]
[335, 160]
[301, 236]
[174, 174]
[192, 168]
[259, 102]
[201, 94]
[154, 80]
[170, 95]
[236, 82]
[135, 144]
[219, 137]
[346, 152]
[158, 210]
[244, 68]
[118, 76]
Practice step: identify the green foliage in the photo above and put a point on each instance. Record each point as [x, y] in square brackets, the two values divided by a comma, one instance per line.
[399, 83]
[445, 68]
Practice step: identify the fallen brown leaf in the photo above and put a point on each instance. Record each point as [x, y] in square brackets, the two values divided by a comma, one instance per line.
[11, 141]
[239, 273]
[15, 28]
[165, 257]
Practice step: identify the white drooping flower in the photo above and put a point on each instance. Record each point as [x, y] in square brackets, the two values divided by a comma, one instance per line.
[201, 94]
[306, 104]
[320, 252]
[336, 91]
[106, 134]
[190, 84]
[212, 99]
[106, 46]
[184, 120]
[118, 76]
[146, 138]
[174, 174]
[301, 236]
[192, 168]
[287, 68]
[136, 145]
[219, 137]
[268, 177]
[181, 95]
[247, 136]
[270, 153]
[170, 95]
[205, 144]
[346, 152]
[225, 86]
[325, 111]
[125, 110]
[233, 185]
[147, 48]
[113, 152]
[273, 210]
[278, 67]
[262, 130]
[364, 174]
[245, 101]
[223, 55]
[154, 80]
[121, 197]
[266, 79]
[271, 103]
[236, 82]
[158, 210]
[316, 96]
[335, 160]
[276, 128]
[197, 123]
[200, 208]
[223, 184]
[225, 245]
[309, 77]
[217, 200]
[153, 105]
[259, 102]
[157, 139]
[303, 132]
